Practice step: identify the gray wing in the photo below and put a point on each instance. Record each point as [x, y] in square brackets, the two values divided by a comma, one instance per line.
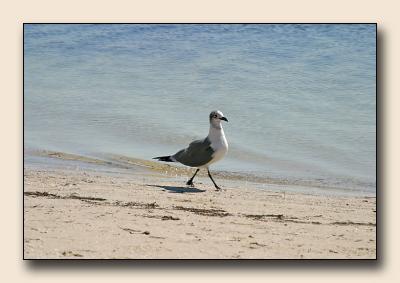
[197, 154]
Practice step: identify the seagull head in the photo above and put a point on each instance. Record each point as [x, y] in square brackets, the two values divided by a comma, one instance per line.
[216, 117]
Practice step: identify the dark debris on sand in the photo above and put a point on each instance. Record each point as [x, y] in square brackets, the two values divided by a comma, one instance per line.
[54, 196]
[204, 212]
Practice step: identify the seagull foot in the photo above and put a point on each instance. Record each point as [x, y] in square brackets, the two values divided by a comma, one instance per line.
[190, 183]
[218, 188]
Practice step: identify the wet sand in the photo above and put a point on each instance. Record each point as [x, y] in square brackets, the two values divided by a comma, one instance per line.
[88, 214]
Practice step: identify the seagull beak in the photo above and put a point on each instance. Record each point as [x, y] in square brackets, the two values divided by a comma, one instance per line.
[223, 118]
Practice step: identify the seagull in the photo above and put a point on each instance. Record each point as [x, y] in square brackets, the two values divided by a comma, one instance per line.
[202, 153]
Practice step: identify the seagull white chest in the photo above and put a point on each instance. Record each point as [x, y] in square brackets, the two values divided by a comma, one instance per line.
[219, 144]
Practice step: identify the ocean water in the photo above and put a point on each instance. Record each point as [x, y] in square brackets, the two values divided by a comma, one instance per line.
[300, 99]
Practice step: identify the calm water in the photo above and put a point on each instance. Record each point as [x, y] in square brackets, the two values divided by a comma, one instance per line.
[300, 98]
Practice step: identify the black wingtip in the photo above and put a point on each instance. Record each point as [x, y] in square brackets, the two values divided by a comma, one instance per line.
[164, 158]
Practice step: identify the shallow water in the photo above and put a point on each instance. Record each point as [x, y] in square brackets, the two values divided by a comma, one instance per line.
[300, 99]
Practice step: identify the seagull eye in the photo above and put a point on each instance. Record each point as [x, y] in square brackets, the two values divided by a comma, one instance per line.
[215, 116]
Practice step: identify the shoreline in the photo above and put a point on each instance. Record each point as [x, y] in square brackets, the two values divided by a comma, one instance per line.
[120, 164]
[72, 213]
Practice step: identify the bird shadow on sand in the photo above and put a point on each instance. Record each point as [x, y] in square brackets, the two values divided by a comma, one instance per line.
[181, 190]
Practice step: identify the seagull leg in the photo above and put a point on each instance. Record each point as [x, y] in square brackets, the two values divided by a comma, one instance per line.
[216, 186]
[190, 182]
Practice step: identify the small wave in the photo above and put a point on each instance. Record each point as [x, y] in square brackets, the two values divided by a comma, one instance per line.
[174, 170]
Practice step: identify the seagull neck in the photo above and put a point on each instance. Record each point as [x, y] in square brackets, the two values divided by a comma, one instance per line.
[215, 130]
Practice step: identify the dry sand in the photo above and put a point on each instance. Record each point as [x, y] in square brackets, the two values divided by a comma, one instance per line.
[85, 214]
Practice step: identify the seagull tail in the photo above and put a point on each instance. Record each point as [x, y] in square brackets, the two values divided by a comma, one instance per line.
[164, 158]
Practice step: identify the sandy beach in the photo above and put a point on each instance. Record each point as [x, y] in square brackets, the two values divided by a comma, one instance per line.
[86, 214]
